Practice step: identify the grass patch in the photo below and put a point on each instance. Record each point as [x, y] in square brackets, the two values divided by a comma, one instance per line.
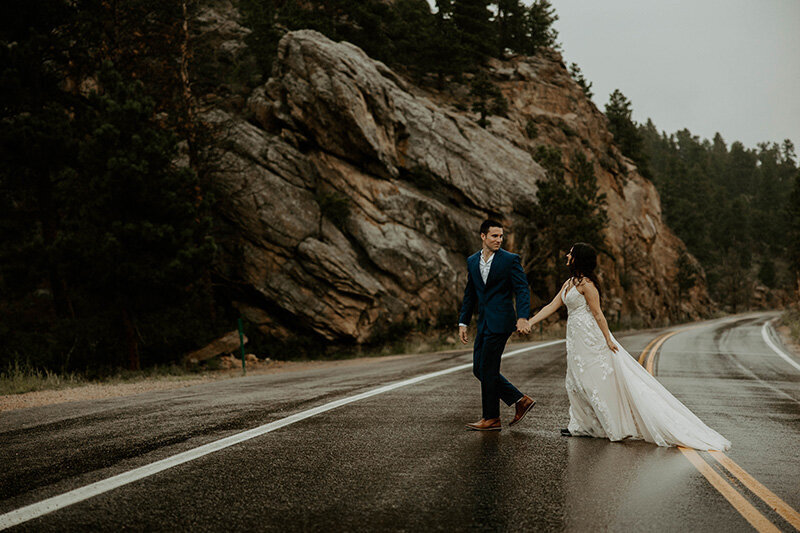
[791, 319]
[18, 378]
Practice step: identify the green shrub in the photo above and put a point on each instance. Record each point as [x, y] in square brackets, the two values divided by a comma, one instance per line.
[791, 319]
[334, 206]
[531, 130]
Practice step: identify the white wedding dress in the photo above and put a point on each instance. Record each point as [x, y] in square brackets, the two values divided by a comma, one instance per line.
[612, 396]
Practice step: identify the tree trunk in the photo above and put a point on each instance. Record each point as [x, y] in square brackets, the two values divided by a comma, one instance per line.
[61, 302]
[208, 285]
[47, 213]
[482, 121]
[131, 342]
[190, 117]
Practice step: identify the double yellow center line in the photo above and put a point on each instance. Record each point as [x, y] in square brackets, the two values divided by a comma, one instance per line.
[648, 356]
[725, 465]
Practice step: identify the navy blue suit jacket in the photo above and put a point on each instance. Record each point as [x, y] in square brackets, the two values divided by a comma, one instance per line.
[506, 281]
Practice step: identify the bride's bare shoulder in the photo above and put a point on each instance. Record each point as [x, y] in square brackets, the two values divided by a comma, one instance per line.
[584, 284]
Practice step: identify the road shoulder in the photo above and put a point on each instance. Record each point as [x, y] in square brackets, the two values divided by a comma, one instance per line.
[99, 391]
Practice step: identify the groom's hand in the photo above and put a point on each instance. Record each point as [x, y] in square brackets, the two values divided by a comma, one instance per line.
[522, 326]
[462, 334]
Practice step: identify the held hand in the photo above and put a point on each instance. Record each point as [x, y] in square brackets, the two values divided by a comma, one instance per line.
[613, 347]
[522, 327]
[462, 334]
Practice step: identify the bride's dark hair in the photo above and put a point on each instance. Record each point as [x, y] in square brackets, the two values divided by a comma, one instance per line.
[584, 261]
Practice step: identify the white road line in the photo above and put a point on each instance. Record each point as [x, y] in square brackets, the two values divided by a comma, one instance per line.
[49, 505]
[766, 336]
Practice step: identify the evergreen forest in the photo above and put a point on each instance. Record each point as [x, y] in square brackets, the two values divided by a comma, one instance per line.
[734, 207]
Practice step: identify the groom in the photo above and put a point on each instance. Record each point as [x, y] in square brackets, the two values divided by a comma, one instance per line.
[494, 276]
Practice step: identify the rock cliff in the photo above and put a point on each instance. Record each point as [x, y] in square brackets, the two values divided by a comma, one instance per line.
[350, 198]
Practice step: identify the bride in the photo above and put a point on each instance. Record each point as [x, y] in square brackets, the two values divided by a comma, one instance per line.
[610, 395]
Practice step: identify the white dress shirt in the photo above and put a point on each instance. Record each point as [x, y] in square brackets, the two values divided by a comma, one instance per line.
[485, 266]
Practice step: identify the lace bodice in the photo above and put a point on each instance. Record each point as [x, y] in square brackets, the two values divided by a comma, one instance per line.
[581, 324]
[574, 300]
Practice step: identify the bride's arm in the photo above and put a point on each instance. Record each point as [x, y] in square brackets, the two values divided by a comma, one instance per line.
[589, 291]
[547, 310]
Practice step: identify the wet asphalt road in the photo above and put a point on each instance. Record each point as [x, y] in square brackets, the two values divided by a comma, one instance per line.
[402, 460]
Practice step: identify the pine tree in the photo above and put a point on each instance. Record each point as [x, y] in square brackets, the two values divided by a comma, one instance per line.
[620, 122]
[788, 155]
[577, 75]
[540, 19]
[477, 33]
[619, 112]
[729, 206]
[412, 29]
[740, 171]
[133, 237]
[444, 53]
[563, 214]
[487, 98]
[766, 272]
[793, 233]
[260, 17]
[734, 282]
[101, 236]
[444, 9]
[37, 148]
[588, 190]
[511, 27]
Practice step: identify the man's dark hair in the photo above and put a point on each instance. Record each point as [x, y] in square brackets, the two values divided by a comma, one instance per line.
[490, 223]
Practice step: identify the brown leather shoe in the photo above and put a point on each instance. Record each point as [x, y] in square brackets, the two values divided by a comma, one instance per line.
[493, 424]
[523, 405]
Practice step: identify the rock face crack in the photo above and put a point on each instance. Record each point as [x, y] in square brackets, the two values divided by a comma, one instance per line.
[408, 181]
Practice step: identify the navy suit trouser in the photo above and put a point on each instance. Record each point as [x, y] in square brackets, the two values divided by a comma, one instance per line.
[486, 366]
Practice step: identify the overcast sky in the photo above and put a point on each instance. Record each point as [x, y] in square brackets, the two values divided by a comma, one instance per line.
[731, 66]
